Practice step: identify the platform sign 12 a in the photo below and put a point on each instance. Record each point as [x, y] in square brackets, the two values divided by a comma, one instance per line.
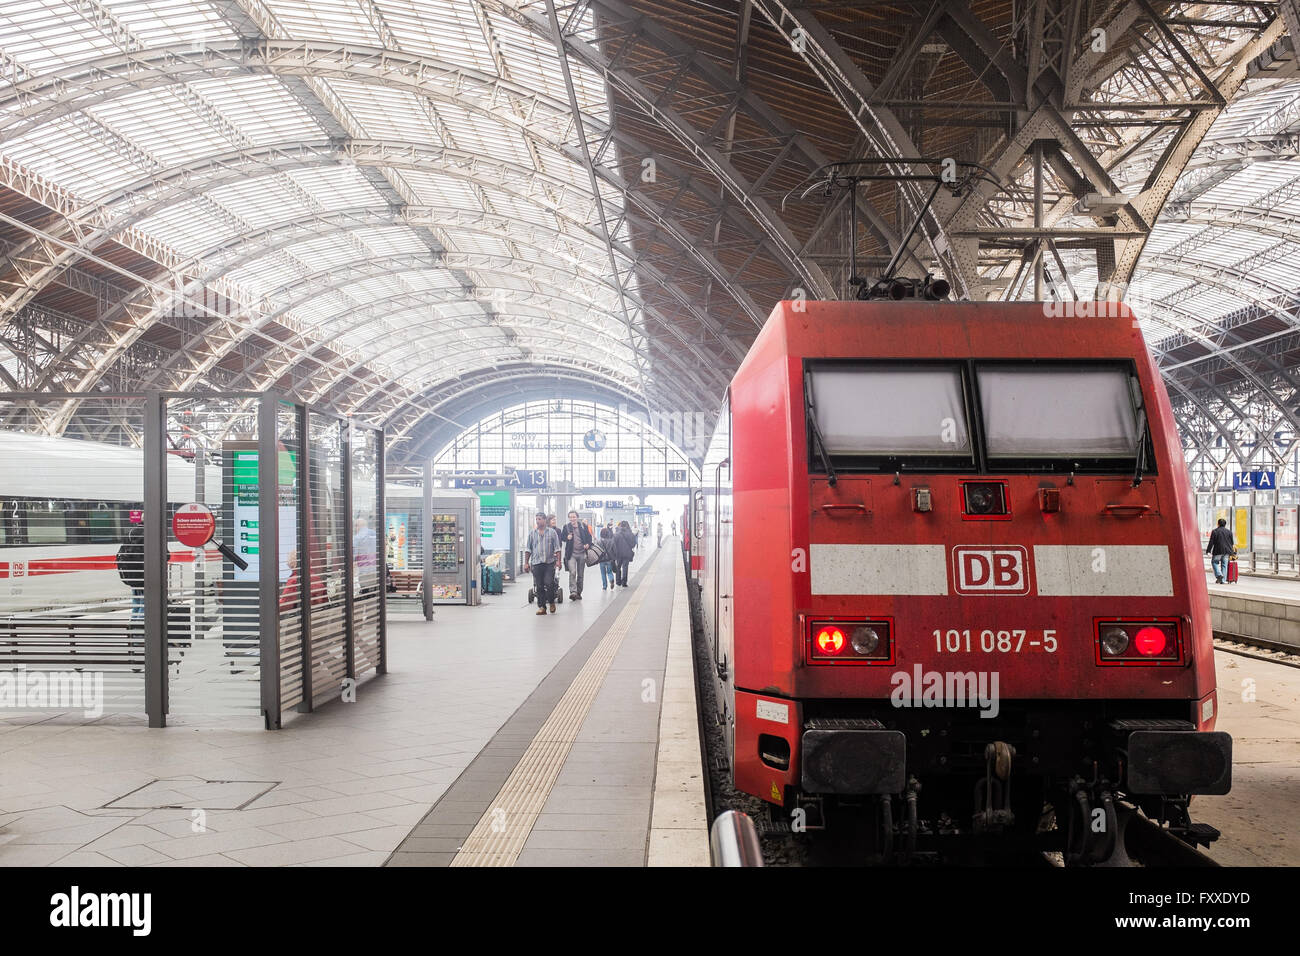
[1262, 480]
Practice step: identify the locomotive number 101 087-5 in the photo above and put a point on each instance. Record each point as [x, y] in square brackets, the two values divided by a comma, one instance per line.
[1013, 641]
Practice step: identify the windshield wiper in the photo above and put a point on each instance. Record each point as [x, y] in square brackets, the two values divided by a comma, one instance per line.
[811, 417]
[1140, 453]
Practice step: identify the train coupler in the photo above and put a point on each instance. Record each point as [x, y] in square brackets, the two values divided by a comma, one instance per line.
[993, 791]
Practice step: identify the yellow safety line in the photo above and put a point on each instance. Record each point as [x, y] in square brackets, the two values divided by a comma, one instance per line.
[499, 836]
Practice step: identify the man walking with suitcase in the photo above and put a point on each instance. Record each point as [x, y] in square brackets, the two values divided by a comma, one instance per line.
[1219, 549]
[543, 560]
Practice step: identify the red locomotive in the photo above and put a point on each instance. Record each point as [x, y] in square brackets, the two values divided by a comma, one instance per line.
[950, 571]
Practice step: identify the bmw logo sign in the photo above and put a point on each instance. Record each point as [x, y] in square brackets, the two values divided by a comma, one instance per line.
[594, 440]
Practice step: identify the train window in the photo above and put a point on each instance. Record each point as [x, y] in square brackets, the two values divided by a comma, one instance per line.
[890, 416]
[1086, 416]
[103, 525]
[45, 526]
[77, 526]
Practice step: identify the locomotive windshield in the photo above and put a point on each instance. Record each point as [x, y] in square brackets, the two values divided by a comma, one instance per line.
[1041, 416]
[1046, 412]
[892, 416]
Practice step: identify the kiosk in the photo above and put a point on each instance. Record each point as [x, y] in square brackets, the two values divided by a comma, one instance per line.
[432, 545]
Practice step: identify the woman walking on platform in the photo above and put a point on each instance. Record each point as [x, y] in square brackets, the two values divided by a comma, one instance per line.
[607, 578]
[624, 551]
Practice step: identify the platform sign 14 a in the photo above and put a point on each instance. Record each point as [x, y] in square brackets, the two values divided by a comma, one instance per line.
[1260, 480]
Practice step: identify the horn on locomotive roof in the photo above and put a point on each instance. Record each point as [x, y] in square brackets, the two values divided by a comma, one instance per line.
[953, 175]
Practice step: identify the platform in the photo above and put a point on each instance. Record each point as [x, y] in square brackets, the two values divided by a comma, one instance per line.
[499, 737]
[1257, 608]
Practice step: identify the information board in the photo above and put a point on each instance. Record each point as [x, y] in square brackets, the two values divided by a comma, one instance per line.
[494, 519]
[193, 524]
[1285, 541]
[245, 534]
[1262, 530]
[396, 538]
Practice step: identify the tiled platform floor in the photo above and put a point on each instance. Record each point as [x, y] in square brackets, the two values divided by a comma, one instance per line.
[597, 810]
[347, 783]
[1258, 588]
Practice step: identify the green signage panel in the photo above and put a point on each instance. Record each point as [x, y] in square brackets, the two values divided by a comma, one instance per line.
[494, 497]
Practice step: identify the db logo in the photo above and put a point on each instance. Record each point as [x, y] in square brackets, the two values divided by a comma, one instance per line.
[1001, 570]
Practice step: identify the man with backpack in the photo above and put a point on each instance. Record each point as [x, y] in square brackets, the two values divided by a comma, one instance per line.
[576, 538]
[624, 551]
[130, 568]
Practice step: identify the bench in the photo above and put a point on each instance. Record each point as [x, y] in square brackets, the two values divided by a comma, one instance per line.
[406, 584]
[74, 643]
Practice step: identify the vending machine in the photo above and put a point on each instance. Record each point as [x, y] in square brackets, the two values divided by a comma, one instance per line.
[453, 552]
[432, 557]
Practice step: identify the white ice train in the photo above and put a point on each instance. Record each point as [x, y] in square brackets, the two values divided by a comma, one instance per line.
[65, 508]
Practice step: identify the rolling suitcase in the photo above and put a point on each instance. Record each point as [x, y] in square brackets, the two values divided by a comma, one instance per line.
[492, 581]
[1232, 571]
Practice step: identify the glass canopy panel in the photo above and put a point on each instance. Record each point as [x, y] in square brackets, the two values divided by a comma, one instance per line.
[43, 36]
[388, 114]
[325, 20]
[438, 189]
[166, 22]
[286, 235]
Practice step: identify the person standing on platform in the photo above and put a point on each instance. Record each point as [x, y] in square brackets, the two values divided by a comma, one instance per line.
[659, 542]
[624, 551]
[365, 556]
[607, 578]
[290, 596]
[576, 538]
[130, 568]
[543, 560]
[1220, 548]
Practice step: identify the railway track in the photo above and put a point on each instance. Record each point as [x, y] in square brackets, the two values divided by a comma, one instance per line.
[1277, 653]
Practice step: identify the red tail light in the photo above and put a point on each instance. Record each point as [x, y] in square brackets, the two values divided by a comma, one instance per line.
[830, 640]
[1150, 642]
[1126, 642]
[851, 641]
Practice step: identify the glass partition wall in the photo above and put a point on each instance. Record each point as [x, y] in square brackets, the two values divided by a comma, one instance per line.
[184, 555]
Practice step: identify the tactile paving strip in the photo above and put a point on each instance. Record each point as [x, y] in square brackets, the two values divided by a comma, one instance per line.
[499, 836]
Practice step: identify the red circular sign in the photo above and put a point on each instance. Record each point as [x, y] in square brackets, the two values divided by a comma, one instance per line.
[194, 525]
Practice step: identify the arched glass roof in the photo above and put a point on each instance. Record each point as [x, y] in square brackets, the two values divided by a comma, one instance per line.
[370, 202]
[394, 182]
